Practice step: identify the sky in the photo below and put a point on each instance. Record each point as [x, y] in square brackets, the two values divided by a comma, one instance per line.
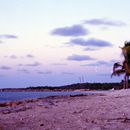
[60, 42]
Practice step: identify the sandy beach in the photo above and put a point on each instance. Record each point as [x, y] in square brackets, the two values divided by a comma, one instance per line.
[108, 111]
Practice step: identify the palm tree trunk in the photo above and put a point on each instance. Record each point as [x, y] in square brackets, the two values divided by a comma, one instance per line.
[125, 82]
[126, 78]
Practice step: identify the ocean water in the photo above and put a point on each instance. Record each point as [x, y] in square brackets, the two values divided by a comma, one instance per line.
[15, 96]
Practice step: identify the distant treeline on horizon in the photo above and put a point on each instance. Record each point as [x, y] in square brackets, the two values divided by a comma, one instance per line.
[88, 86]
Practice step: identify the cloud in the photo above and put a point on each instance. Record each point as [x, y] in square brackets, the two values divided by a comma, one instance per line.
[59, 64]
[99, 63]
[104, 63]
[44, 72]
[80, 58]
[35, 64]
[5, 68]
[75, 30]
[91, 64]
[104, 21]
[8, 36]
[29, 56]
[90, 42]
[22, 57]
[90, 49]
[24, 71]
[13, 57]
[67, 73]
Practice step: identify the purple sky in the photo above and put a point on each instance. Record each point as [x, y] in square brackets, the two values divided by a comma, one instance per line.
[56, 43]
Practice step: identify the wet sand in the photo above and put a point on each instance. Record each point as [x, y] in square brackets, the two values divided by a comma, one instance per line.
[109, 111]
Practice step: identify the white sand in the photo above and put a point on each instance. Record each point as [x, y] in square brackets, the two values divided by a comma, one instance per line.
[97, 112]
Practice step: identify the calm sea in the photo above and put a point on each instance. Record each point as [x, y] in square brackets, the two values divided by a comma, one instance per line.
[14, 96]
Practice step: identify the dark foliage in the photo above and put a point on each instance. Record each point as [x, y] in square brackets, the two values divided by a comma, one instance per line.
[87, 86]
[127, 43]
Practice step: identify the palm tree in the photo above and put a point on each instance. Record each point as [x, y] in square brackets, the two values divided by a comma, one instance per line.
[123, 67]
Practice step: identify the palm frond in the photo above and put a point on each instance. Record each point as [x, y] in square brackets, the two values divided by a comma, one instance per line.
[118, 72]
[126, 51]
[117, 65]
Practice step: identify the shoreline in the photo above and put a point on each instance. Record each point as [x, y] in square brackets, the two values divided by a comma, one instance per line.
[83, 112]
[22, 101]
[10, 96]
